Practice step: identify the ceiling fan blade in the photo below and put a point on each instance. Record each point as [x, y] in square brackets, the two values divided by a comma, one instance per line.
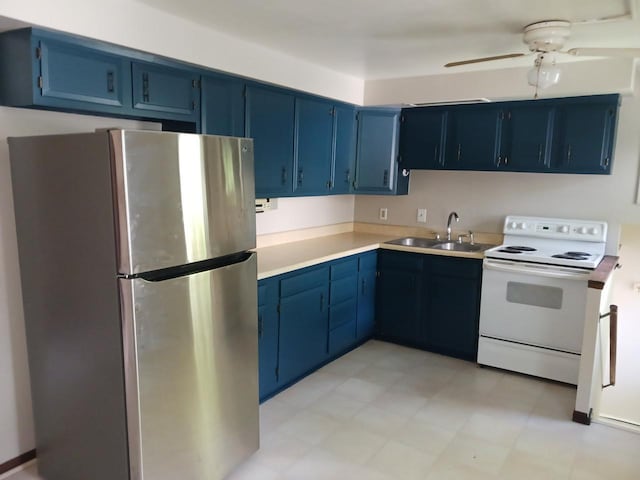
[485, 59]
[605, 52]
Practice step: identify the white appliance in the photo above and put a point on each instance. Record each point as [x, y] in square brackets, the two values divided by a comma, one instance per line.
[534, 290]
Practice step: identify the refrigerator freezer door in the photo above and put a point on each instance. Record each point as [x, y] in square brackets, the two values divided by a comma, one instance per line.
[191, 372]
[181, 198]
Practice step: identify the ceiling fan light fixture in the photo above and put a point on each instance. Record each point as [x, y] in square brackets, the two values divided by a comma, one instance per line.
[545, 73]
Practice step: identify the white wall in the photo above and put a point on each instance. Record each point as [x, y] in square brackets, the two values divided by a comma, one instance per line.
[132, 24]
[16, 423]
[306, 212]
[622, 402]
[577, 78]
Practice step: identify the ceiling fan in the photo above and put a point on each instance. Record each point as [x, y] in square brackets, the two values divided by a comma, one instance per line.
[546, 39]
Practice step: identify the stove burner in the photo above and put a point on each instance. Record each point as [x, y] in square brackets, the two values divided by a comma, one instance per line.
[581, 254]
[507, 250]
[570, 256]
[521, 249]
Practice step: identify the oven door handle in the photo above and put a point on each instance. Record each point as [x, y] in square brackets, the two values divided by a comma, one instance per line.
[537, 271]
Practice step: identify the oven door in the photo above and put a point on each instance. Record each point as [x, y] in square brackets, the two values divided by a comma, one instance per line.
[541, 305]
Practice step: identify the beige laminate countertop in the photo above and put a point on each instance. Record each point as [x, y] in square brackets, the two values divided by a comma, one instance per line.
[286, 257]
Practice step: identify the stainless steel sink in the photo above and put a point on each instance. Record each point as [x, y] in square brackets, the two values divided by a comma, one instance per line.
[439, 244]
[415, 242]
[461, 247]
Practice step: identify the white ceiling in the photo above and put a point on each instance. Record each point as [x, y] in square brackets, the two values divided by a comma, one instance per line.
[398, 38]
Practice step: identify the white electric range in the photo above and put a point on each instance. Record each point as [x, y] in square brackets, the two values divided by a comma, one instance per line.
[534, 291]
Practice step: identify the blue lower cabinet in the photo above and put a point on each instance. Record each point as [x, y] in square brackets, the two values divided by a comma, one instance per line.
[367, 276]
[452, 305]
[304, 327]
[268, 337]
[399, 297]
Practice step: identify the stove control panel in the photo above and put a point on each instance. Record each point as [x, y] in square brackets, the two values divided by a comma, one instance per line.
[556, 228]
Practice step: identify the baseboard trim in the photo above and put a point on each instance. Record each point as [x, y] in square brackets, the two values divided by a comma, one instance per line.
[581, 417]
[17, 461]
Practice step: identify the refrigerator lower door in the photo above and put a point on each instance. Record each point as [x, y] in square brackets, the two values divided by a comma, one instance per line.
[191, 348]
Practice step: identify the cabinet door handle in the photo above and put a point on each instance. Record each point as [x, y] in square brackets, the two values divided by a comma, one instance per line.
[435, 154]
[459, 152]
[284, 175]
[110, 85]
[259, 326]
[569, 154]
[506, 160]
[606, 162]
[498, 161]
[328, 184]
[348, 175]
[145, 87]
[300, 176]
[385, 178]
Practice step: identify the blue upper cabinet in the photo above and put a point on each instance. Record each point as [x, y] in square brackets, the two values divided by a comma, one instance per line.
[474, 135]
[45, 71]
[423, 138]
[344, 154]
[269, 120]
[222, 105]
[586, 135]
[527, 134]
[313, 146]
[377, 169]
[165, 91]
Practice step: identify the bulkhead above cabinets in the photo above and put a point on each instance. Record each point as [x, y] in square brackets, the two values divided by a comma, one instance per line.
[564, 135]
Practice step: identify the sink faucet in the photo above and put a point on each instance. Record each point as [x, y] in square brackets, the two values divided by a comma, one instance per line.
[451, 215]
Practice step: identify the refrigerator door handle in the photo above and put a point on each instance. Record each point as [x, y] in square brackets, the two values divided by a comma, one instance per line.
[196, 267]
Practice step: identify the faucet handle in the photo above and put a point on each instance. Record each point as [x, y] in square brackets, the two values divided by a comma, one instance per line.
[465, 235]
[437, 237]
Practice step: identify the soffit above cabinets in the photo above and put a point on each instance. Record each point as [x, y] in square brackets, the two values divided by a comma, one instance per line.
[374, 39]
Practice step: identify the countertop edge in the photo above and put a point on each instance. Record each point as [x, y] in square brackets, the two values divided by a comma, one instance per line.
[603, 271]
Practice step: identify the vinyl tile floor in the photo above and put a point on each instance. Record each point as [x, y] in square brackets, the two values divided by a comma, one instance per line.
[386, 412]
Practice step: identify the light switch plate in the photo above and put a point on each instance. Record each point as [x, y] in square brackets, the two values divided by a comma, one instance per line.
[422, 215]
[383, 214]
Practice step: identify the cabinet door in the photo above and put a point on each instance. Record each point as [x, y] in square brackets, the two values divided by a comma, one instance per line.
[586, 135]
[82, 78]
[161, 91]
[452, 293]
[422, 138]
[313, 146]
[526, 137]
[377, 151]
[269, 121]
[366, 304]
[303, 332]
[474, 138]
[398, 306]
[344, 155]
[267, 337]
[222, 106]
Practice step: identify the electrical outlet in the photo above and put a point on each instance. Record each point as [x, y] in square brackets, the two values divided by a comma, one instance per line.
[383, 214]
[422, 215]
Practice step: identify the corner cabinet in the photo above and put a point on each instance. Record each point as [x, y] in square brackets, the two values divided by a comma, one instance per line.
[563, 135]
[377, 167]
[222, 105]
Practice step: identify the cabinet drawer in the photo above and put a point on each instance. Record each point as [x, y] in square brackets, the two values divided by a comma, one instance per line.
[342, 338]
[343, 289]
[304, 281]
[342, 313]
[368, 261]
[344, 268]
[267, 292]
[412, 262]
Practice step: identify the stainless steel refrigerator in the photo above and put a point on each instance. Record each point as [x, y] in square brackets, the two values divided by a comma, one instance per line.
[140, 302]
